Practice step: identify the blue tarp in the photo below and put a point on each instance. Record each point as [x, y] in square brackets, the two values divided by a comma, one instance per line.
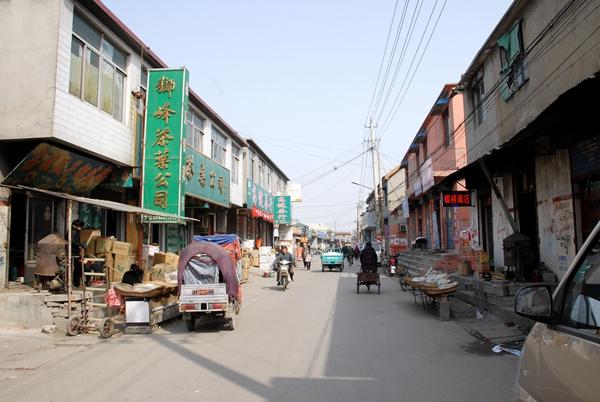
[217, 239]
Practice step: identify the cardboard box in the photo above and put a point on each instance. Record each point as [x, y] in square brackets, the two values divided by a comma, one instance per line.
[122, 248]
[165, 258]
[86, 235]
[122, 265]
[104, 244]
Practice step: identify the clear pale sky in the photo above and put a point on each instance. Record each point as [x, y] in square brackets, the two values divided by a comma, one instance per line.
[298, 77]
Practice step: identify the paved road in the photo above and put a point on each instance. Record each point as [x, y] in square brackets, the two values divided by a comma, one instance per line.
[318, 341]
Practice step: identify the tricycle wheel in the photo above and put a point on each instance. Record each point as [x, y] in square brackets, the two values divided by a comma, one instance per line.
[322, 269]
[107, 328]
[357, 288]
[369, 287]
[403, 286]
[378, 288]
[230, 323]
[190, 324]
[73, 326]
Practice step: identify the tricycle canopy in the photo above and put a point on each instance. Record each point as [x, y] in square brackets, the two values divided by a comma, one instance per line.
[188, 262]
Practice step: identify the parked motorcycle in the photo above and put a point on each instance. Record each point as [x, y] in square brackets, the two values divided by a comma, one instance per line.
[391, 266]
[284, 273]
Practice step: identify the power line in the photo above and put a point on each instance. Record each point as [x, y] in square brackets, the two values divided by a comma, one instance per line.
[391, 58]
[395, 107]
[387, 41]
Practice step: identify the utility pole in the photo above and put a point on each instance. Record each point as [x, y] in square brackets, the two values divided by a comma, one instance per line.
[375, 160]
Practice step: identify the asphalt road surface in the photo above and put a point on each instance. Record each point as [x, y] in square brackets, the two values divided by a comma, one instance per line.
[318, 341]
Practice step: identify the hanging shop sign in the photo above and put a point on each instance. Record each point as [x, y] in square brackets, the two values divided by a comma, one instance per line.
[260, 199]
[166, 105]
[259, 213]
[456, 198]
[205, 179]
[282, 209]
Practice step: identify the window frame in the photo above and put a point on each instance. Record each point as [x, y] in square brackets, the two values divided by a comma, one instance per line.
[477, 98]
[190, 121]
[446, 126]
[561, 302]
[221, 156]
[236, 152]
[102, 59]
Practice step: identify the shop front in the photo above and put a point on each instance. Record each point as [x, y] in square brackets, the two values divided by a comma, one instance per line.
[258, 214]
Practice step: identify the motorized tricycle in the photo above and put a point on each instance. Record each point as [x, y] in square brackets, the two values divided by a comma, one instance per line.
[209, 287]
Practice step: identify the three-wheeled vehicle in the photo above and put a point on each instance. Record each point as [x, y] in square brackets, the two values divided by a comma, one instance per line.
[209, 288]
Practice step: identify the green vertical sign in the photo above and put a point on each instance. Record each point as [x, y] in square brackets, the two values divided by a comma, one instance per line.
[282, 209]
[166, 105]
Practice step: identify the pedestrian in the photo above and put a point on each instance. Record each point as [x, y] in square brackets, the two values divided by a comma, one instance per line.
[133, 276]
[258, 242]
[307, 257]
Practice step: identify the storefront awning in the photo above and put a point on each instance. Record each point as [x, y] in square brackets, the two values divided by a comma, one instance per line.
[50, 167]
[112, 205]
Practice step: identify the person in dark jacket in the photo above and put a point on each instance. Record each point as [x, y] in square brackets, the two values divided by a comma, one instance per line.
[133, 276]
[368, 258]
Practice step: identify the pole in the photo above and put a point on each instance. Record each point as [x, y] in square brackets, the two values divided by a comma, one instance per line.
[372, 126]
[69, 264]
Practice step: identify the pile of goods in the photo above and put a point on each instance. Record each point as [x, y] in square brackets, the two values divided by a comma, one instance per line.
[435, 280]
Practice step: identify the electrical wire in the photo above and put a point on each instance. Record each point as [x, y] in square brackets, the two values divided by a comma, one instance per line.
[396, 105]
[387, 41]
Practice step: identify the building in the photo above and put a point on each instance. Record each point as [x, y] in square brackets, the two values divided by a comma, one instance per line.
[532, 138]
[437, 150]
[77, 102]
[395, 236]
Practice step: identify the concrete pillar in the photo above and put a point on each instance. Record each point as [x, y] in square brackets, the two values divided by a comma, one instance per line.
[444, 308]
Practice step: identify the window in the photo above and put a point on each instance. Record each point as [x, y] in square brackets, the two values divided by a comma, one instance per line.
[143, 77]
[235, 164]
[512, 57]
[218, 146]
[477, 95]
[252, 166]
[97, 69]
[446, 123]
[195, 132]
[268, 179]
[261, 173]
[582, 297]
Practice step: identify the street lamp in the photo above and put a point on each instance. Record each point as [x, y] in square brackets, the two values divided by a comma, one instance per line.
[361, 185]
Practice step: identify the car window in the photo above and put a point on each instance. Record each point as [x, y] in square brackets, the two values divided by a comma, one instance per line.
[582, 297]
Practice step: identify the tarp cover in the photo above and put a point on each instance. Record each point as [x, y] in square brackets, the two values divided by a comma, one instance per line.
[201, 270]
[222, 258]
[218, 239]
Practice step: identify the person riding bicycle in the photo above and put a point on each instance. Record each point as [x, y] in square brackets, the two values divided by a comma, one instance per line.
[368, 258]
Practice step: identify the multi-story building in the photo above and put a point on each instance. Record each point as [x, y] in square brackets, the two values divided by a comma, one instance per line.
[437, 150]
[532, 140]
[395, 229]
[75, 91]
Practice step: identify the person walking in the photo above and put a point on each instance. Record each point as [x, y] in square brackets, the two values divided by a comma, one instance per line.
[307, 257]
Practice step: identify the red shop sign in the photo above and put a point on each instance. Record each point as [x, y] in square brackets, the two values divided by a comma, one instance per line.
[259, 213]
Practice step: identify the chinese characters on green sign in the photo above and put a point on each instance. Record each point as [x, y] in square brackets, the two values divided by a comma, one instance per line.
[205, 178]
[282, 210]
[166, 104]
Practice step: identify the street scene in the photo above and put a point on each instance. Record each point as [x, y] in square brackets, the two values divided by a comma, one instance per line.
[395, 200]
[340, 350]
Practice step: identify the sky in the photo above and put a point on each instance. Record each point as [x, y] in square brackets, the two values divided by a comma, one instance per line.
[301, 77]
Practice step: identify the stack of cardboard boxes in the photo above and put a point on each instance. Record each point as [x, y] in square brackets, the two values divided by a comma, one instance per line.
[117, 255]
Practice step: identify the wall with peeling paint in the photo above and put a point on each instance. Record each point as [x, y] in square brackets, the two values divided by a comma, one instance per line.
[556, 224]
